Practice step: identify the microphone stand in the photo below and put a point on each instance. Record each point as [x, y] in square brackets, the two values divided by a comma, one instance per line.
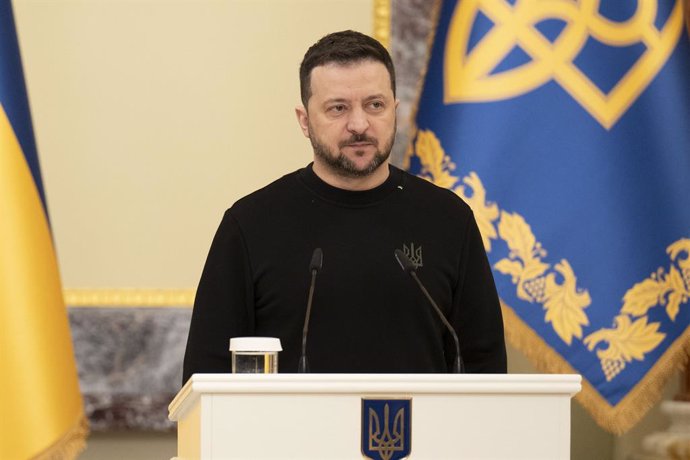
[314, 266]
[407, 266]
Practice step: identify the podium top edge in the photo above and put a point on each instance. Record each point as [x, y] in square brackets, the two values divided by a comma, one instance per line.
[331, 378]
[373, 384]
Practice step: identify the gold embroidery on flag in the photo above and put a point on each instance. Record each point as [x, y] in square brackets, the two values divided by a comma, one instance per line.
[633, 340]
[669, 289]
[469, 77]
[629, 340]
[437, 167]
[535, 280]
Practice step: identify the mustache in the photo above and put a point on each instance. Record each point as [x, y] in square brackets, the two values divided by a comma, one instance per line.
[357, 138]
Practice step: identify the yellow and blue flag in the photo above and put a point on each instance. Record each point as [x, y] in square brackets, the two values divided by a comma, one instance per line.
[565, 124]
[42, 412]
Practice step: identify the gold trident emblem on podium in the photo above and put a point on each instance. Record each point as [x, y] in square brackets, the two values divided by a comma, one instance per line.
[384, 441]
[468, 76]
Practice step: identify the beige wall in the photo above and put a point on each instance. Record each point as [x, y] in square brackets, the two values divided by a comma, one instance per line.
[153, 116]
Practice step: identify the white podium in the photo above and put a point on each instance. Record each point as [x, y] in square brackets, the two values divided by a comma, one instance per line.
[319, 416]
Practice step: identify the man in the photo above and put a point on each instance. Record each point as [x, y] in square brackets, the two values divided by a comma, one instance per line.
[368, 314]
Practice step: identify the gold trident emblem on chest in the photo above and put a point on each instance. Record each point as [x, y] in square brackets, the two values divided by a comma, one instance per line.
[468, 76]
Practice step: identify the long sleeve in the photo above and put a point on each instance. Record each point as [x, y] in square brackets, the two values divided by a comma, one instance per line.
[223, 307]
[476, 315]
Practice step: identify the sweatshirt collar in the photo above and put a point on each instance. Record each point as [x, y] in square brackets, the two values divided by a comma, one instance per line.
[349, 197]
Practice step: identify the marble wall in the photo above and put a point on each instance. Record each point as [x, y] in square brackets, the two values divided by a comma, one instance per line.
[130, 364]
[411, 26]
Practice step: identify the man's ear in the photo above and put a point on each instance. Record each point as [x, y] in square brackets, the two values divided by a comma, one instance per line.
[302, 119]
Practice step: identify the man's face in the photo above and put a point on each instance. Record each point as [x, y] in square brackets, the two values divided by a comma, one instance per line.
[350, 117]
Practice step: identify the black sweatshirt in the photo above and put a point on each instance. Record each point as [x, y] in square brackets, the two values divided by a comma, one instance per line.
[368, 316]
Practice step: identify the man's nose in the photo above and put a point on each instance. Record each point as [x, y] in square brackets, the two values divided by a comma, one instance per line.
[358, 122]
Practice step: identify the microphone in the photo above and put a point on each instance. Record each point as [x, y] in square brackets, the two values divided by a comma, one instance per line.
[408, 267]
[314, 267]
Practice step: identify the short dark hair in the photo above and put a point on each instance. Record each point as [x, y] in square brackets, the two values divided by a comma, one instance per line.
[344, 48]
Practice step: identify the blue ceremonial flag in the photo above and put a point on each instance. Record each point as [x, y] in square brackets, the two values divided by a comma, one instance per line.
[565, 125]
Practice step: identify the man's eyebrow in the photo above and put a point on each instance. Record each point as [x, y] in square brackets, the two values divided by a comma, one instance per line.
[338, 100]
[335, 100]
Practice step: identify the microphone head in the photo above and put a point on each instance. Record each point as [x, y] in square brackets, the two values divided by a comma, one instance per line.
[404, 261]
[316, 260]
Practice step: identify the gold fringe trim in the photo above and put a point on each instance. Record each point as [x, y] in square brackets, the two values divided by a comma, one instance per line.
[149, 298]
[616, 419]
[70, 445]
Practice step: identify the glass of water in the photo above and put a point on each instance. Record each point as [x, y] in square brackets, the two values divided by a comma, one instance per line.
[255, 355]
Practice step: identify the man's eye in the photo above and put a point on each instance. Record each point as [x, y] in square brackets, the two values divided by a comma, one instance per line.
[377, 105]
[337, 108]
